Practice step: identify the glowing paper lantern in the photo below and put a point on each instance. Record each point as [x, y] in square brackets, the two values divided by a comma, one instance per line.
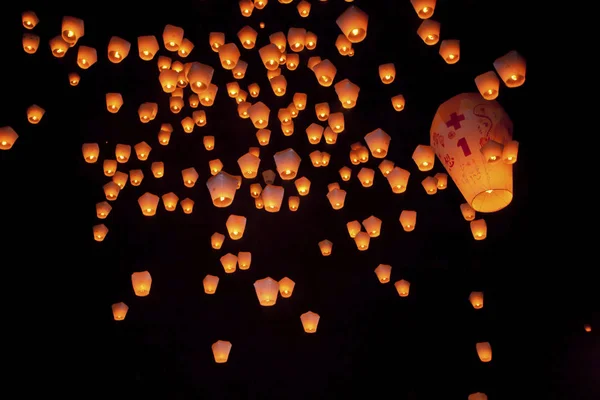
[35, 114]
[383, 272]
[336, 198]
[141, 282]
[210, 283]
[147, 47]
[477, 396]
[479, 229]
[29, 19]
[172, 37]
[347, 93]
[353, 23]
[450, 50]
[272, 197]
[484, 351]
[378, 142]
[158, 169]
[119, 311]
[429, 31]
[288, 163]
[187, 205]
[86, 57]
[118, 49]
[387, 73]
[259, 115]
[511, 67]
[216, 240]
[72, 29]
[236, 225]
[267, 290]
[476, 299]
[310, 321]
[408, 220]
[30, 43]
[229, 263]
[326, 246]
[461, 128]
[100, 231]
[222, 188]
[488, 85]
[229, 55]
[402, 287]
[286, 287]
[424, 8]
[221, 350]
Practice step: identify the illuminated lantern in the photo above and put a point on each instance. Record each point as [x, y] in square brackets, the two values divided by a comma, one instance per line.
[293, 203]
[330, 136]
[326, 247]
[141, 282]
[285, 116]
[511, 67]
[292, 61]
[235, 226]
[316, 157]
[383, 272]
[484, 351]
[246, 7]
[118, 49]
[461, 128]
[450, 50]
[279, 85]
[199, 117]
[479, 229]
[114, 101]
[272, 197]
[216, 40]
[430, 185]
[247, 37]
[122, 153]
[100, 231]
[221, 350]
[244, 260]
[476, 299]
[424, 157]
[336, 198]
[8, 137]
[233, 88]
[398, 102]
[216, 240]
[110, 167]
[310, 321]
[312, 61]
[222, 188]
[467, 212]
[258, 202]
[172, 37]
[266, 291]
[442, 180]
[332, 186]
[229, 263]
[263, 136]
[74, 78]
[164, 62]
[147, 47]
[488, 85]
[299, 101]
[322, 111]
[248, 164]
[354, 228]
[424, 8]
[303, 186]
[229, 55]
[147, 112]
[119, 311]
[336, 122]
[408, 220]
[241, 97]
[142, 150]
[29, 19]
[398, 180]
[35, 114]
[30, 43]
[208, 96]
[187, 205]
[288, 163]
[296, 38]
[170, 201]
[587, 327]
[194, 100]
[343, 45]
[286, 287]
[72, 29]
[353, 23]
[120, 178]
[387, 73]
[259, 115]
[254, 89]
[136, 176]
[239, 72]
[269, 55]
[378, 142]
[310, 41]
[58, 47]
[199, 77]
[209, 142]
[243, 109]
[188, 124]
[477, 396]
[347, 93]
[190, 176]
[103, 209]
[86, 57]
[325, 72]
[268, 177]
[303, 8]
[314, 133]
[402, 287]
[210, 283]
[366, 176]
[372, 226]
[429, 31]
[259, 5]
[168, 80]
[362, 240]
[185, 48]
[158, 169]
[255, 190]
[386, 166]
[215, 166]
[273, 74]
[279, 40]
[148, 203]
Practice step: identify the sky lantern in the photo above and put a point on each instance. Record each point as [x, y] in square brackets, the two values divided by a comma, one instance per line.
[72, 29]
[511, 67]
[272, 197]
[386, 166]
[296, 38]
[383, 272]
[114, 102]
[269, 55]
[86, 57]
[158, 169]
[103, 209]
[467, 212]
[286, 287]
[142, 150]
[372, 226]
[29, 19]
[587, 327]
[353, 23]
[229, 263]
[120, 178]
[460, 130]
[333, 185]
[429, 31]
[303, 8]
[100, 231]
[147, 47]
[477, 396]
[302, 186]
[136, 176]
[354, 228]
[378, 142]
[292, 61]
[488, 85]
[269, 177]
[242, 109]
[288, 163]
[119, 311]
[222, 188]
[259, 203]
[408, 220]
[59, 47]
[259, 115]
[478, 229]
[450, 50]
[168, 80]
[31, 43]
[424, 8]
[118, 49]
[347, 93]
[187, 205]
[310, 40]
[216, 40]
[216, 240]
[90, 151]
[337, 198]
[170, 201]
[246, 7]
[172, 37]
[141, 282]
[109, 167]
[74, 78]
[164, 62]
[336, 122]
[299, 100]
[244, 260]
[236, 225]
[387, 73]
[221, 350]
[215, 166]
[325, 72]
[343, 45]
[247, 36]
[199, 77]
[208, 142]
[293, 203]
[314, 132]
[35, 114]
[430, 185]
[210, 283]
[326, 246]
[185, 48]
[122, 153]
[310, 321]
[229, 55]
[254, 89]
[147, 112]
[402, 287]
[266, 291]
[190, 176]
[255, 190]
[398, 180]
[322, 111]
[476, 299]
[362, 240]
[442, 180]
[484, 351]
[199, 117]
[207, 98]
[279, 85]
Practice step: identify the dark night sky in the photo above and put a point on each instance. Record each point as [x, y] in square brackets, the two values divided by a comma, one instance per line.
[368, 339]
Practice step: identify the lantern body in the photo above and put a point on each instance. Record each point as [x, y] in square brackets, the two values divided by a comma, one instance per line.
[366, 176]
[479, 229]
[511, 67]
[114, 101]
[442, 180]
[29, 19]
[170, 201]
[229, 263]
[244, 260]
[362, 240]
[476, 299]
[477, 396]
[354, 228]
[484, 351]
[216, 240]
[336, 122]
[383, 272]
[210, 283]
[398, 180]
[429, 31]
[119, 311]
[293, 203]
[408, 220]
[461, 127]
[398, 102]
[221, 350]
[103, 209]
[141, 282]
[209, 142]
[424, 8]
[430, 185]
[222, 188]
[310, 321]
[199, 77]
[259, 115]
[450, 50]
[247, 36]
[268, 177]
[158, 169]
[402, 287]
[467, 212]
[387, 73]
[216, 40]
[189, 175]
[187, 205]
[378, 142]
[353, 23]
[86, 57]
[372, 226]
[35, 114]
[172, 37]
[30, 43]
[267, 290]
[286, 287]
[288, 163]
[296, 38]
[325, 72]
[147, 47]
[347, 93]
[90, 150]
[326, 246]
[236, 225]
[72, 29]
[229, 55]
[386, 166]
[336, 198]
[118, 49]
[272, 197]
[100, 231]
[279, 85]
[488, 85]
[303, 186]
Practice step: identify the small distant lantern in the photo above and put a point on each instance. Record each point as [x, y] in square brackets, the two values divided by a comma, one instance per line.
[476, 299]
[190, 176]
[216, 40]
[450, 50]
[293, 203]
[147, 47]
[35, 114]
[310, 321]
[587, 327]
[158, 169]
[268, 177]
[408, 220]
[170, 201]
[8, 136]
[430, 185]
[172, 37]
[259, 115]
[488, 85]
[322, 111]
[511, 67]
[484, 351]
[336, 122]
[288, 163]
[229, 55]
[424, 157]
[30, 43]
[209, 142]
[366, 176]
[302, 185]
[467, 212]
[136, 176]
[263, 136]
[141, 282]
[336, 198]
[372, 226]
[236, 225]
[286, 287]
[210, 283]
[100, 231]
[402, 287]
[477, 396]
[221, 350]
[266, 291]
[353, 23]
[272, 197]
[429, 31]
[114, 101]
[398, 102]
[118, 49]
[216, 240]
[398, 180]
[383, 272]
[378, 142]
[86, 57]
[229, 263]
[362, 240]
[345, 173]
[222, 188]
[326, 247]
[119, 311]
[29, 19]
[325, 72]
[479, 229]
[74, 79]
[103, 209]
[424, 8]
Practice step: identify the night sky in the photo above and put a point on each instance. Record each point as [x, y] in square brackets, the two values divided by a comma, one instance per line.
[60, 283]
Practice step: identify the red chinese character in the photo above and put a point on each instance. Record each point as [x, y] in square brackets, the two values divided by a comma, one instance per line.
[449, 161]
[451, 135]
[438, 139]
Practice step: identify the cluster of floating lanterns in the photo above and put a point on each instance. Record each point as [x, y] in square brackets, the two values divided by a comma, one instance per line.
[496, 148]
